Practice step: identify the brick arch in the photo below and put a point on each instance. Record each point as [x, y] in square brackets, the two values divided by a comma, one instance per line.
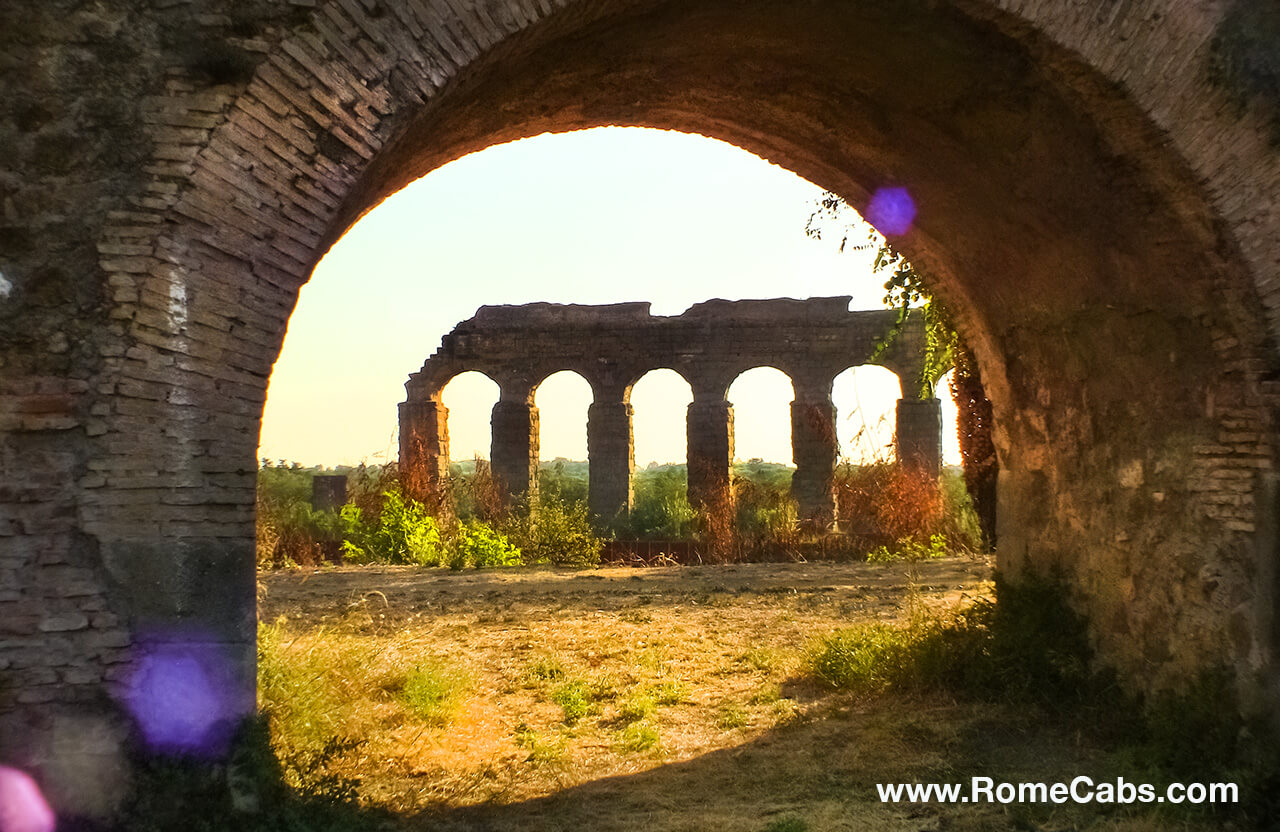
[581, 372]
[639, 375]
[1093, 210]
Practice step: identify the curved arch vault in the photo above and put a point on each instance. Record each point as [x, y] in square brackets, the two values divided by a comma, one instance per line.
[1095, 211]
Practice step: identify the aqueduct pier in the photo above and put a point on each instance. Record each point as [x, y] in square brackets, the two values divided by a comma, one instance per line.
[1096, 188]
[612, 347]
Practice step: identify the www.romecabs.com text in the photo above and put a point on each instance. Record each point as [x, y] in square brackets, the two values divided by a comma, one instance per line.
[1078, 790]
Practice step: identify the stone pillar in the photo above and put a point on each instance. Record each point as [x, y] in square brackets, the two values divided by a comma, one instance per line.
[424, 448]
[709, 427]
[815, 451]
[514, 450]
[612, 459]
[918, 436]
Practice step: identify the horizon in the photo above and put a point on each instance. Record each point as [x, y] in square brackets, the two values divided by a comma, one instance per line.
[590, 217]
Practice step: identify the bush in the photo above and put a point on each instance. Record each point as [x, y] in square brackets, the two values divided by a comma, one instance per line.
[887, 502]
[661, 510]
[402, 533]
[474, 494]
[481, 546]
[765, 514]
[559, 533]
[866, 658]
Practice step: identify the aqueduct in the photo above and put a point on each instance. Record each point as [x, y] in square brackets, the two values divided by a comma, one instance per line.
[1096, 186]
[612, 347]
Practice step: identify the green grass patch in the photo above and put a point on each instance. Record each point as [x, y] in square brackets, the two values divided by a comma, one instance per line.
[640, 736]
[545, 668]
[637, 707]
[434, 691]
[731, 717]
[543, 750]
[669, 692]
[576, 699]
[761, 658]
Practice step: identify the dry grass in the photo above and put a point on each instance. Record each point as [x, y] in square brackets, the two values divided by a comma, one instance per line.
[626, 699]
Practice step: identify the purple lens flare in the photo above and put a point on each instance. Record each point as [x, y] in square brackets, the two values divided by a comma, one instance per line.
[22, 806]
[891, 211]
[178, 698]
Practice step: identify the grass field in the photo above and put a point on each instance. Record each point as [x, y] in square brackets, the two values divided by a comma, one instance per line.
[623, 699]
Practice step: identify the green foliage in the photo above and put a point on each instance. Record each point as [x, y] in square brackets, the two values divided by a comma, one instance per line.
[639, 736]
[481, 546]
[545, 669]
[564, 481]
[542, 751]
[761, 658]
[904, 287]
[558, 533]
[959, 523]
[764, 513]
[731, 717]
[637, 707]
[289, 531]
[402, 533]
[910, 549]
[669, 692]
[1028, 646]
[301, 698]
[864, 658]
[661, 510]
[433, 691]
[576, 698]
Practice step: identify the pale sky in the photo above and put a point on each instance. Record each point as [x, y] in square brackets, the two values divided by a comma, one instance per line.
[597, 216]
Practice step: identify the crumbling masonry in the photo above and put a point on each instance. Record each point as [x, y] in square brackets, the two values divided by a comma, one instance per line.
[612, 347]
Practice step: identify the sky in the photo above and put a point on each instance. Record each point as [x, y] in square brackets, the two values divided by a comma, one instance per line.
[595, 216]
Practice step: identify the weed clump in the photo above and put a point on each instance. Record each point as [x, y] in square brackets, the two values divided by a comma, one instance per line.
[639, 736]
[433, 692]
[575, 698]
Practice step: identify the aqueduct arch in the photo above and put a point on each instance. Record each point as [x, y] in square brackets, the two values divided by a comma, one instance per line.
[709, 345]
[1096, 191]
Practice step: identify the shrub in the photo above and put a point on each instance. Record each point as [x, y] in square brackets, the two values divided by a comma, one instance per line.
[661, 509]
[1026, 646]
[558, 533]
[433, 692]
[731, 717]
[888, 502]
[865, 658]
[402, 533]
[542, 752]
[557, 483]
[475, 494]
[480, 545]
[765, 514]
